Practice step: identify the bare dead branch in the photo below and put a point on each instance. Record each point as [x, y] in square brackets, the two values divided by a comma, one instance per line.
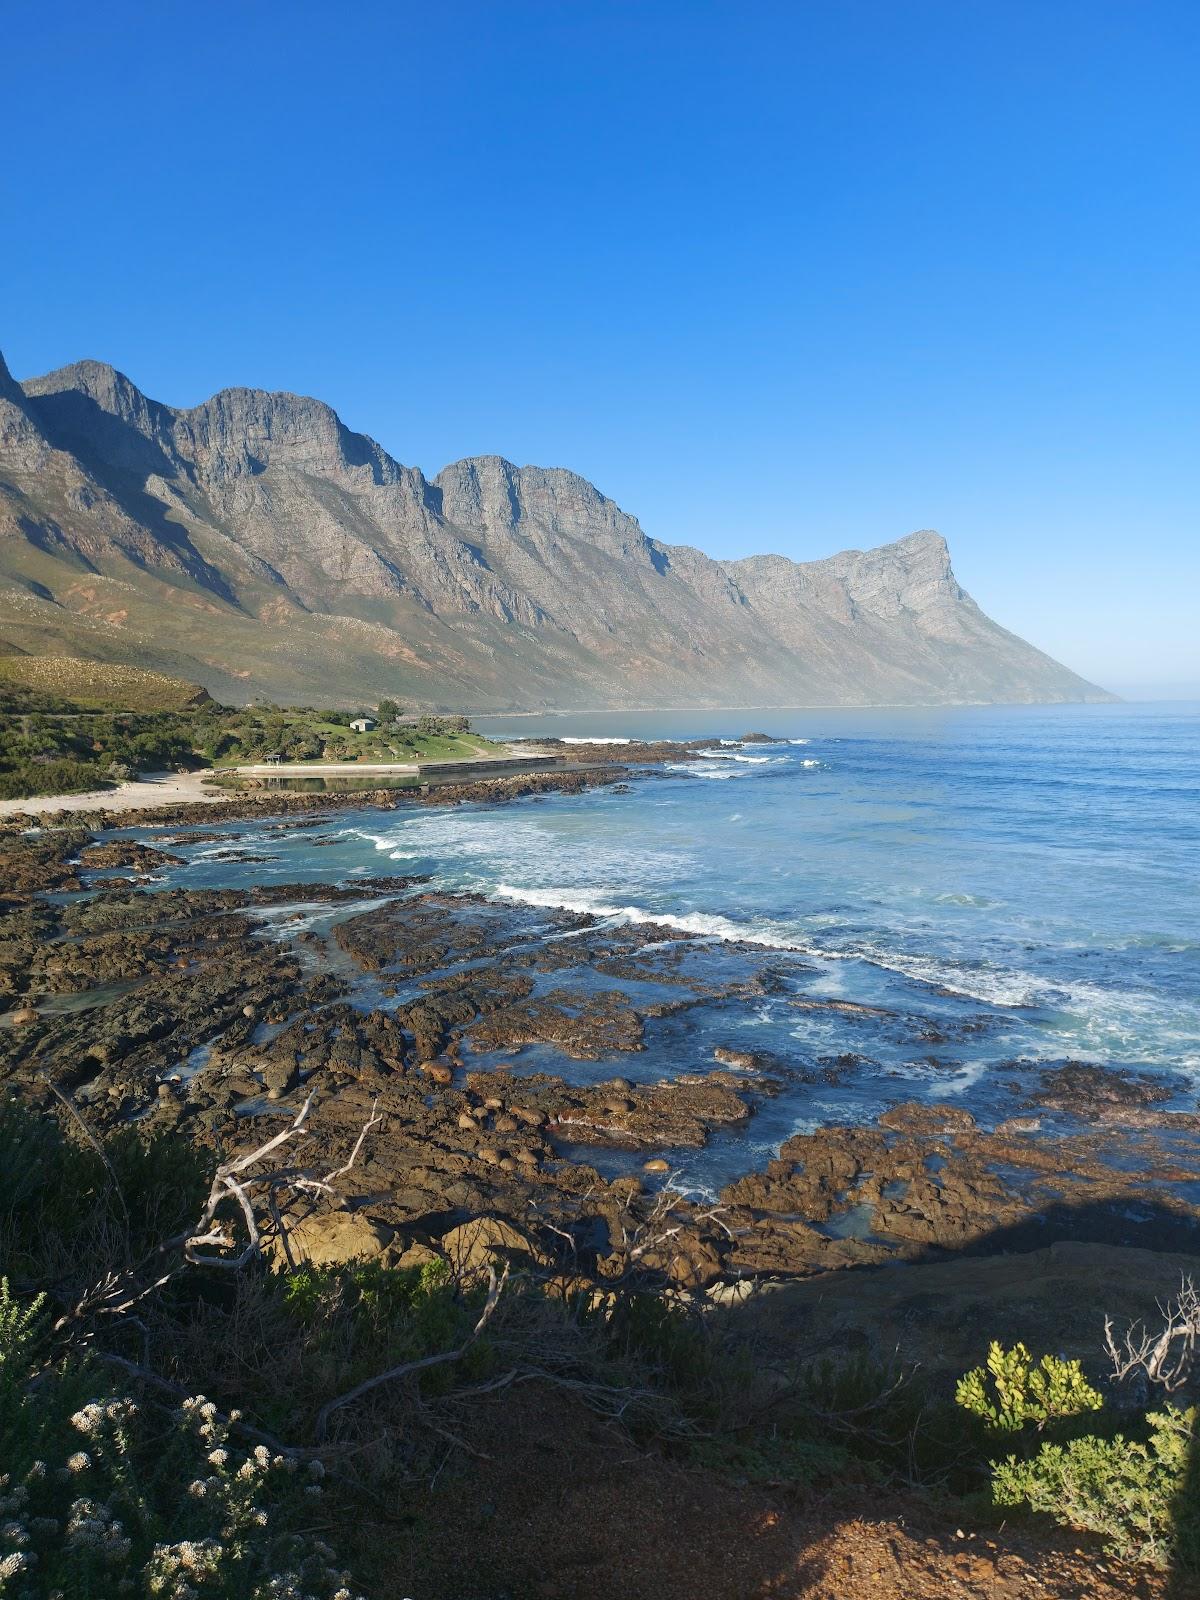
[1167, 1358]
[372, 1121]
[406, 1368]
[234, 1180]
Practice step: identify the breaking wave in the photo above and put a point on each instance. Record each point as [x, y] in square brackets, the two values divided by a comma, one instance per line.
[733, 755]
[594, 903]
[697, 769]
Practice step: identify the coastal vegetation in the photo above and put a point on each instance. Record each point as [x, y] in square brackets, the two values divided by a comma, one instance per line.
[186, 1409]
[85, 726]
[95, 685]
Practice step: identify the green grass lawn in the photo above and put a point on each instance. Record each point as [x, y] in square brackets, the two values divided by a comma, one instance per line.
[308, 737]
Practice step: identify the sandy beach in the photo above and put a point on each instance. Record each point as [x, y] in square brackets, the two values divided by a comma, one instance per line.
[141, 794]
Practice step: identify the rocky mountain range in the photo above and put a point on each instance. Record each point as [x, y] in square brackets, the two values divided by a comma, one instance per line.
[256, 545]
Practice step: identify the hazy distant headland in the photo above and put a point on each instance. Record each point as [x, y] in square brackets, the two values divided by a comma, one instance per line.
[255, 545]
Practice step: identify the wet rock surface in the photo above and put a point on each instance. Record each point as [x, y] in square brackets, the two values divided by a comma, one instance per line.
[1097, 1093]
[524, 1067]
[129, 853]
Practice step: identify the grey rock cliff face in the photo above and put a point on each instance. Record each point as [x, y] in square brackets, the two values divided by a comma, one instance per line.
[258, 542]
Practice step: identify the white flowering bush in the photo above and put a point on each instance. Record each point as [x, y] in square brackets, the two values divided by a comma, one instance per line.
[110, 1498]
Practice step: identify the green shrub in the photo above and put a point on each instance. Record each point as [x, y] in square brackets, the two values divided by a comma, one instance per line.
[69, 1211]
[1134, 1494]
[362, 1318]
[660, 1337]
[18, 1334]
[1022, 1392]
[101, 1498]
[892, 1420]
[22, 780]
[776, 1457]
[1132, 1491]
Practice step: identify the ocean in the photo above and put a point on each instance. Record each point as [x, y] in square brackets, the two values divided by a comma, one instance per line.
[1000, 887]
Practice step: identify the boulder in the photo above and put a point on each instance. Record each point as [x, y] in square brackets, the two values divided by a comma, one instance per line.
[485, 1242]
[413, 1254]
[917, 1117]
[686, 1260]
[332, 1238]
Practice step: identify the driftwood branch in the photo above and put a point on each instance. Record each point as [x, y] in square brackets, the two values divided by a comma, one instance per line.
[1167, 1358]
[236, 1180]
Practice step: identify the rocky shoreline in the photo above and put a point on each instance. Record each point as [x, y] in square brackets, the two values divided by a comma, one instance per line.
[168, 1008]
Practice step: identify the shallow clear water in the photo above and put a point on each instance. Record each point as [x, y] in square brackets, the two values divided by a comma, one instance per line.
[1037, 869]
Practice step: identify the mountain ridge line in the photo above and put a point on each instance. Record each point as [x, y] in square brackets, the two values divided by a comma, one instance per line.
[256, 544]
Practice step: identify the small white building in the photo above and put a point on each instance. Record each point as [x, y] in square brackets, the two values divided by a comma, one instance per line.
[363, 724]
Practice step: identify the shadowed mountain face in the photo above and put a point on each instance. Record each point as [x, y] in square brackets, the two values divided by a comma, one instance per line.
[255, 544]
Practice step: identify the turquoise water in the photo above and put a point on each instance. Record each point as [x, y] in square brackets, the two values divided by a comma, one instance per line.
[1028, 878]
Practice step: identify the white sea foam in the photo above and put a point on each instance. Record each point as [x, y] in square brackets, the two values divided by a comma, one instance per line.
[474, 849]
[493, 853]
[1101, 1013]
[504, 846]
[597, 903]
[967, 1076]
[381, 841]
[597, 739]
[994, 986]
[697, 769]
[950, 897]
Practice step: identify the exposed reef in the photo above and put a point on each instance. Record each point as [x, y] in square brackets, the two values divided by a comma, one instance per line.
[515, 1056]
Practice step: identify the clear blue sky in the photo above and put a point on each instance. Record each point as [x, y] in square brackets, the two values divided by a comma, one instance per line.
[794, 276]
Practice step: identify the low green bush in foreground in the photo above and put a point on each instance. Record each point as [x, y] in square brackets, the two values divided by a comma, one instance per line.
[1134, 1487]
[1133, 1492]
[117, 1478]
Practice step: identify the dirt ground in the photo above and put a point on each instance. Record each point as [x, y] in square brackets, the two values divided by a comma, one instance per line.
[554, 1503]
[564, 1509]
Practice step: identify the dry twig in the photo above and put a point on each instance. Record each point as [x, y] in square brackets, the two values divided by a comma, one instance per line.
[406, 1368]
[1167, 1358]
[118, 1292]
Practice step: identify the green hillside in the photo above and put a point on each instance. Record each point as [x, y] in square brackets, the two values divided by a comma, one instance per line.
[100, 685]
